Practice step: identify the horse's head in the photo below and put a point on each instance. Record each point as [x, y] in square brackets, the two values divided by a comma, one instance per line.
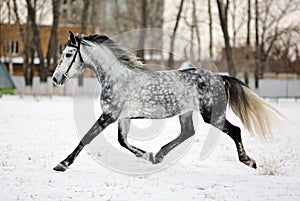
[71, 62]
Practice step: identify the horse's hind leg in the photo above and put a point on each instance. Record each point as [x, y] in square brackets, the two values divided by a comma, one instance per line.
[123, 129]
[234, 132]
[187, 130]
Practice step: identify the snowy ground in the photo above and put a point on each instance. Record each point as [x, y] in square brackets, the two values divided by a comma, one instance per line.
[36, 134]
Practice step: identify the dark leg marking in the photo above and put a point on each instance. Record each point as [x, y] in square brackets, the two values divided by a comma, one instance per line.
[96, 129]
[235, 133]
[187, 130]
[123, 129]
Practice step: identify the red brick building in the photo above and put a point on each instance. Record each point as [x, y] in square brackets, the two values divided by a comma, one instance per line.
[10, 33]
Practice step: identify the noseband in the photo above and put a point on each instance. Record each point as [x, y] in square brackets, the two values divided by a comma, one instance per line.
[74, 57]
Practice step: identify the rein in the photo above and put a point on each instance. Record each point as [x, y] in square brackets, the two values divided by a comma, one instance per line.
[74, 57]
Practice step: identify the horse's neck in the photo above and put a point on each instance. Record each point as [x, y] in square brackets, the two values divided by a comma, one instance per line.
[106, 67]
[113, 71]
[95, 61]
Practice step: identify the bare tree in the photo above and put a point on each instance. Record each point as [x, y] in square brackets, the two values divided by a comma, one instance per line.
[26, 50]
[193, 24]
[196, 27]
[36, 35]
[223, 15]
[143, 32]
[237, 10]
[84, 22]
[210, 30]
[10, 63]
[32, 37]
[85, 14]
[42, 9]
[269, 20]
[1, 26]
[248, 44]
[155, 20]
[171, 56]
[282, 51]
[52, 44]
[118, 16]
[257, 65]
[271, 28]
[18, 23]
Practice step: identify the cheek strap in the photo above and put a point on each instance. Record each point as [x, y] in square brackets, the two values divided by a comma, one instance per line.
[74, 57]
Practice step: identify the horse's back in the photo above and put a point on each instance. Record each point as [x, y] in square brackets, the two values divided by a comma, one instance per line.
[211, 92]
[167, 93]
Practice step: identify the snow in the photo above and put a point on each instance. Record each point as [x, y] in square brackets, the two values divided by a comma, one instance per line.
[37, 132]
[19, 60]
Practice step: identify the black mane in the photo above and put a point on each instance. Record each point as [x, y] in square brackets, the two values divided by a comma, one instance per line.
[97, 38]
[123, 55]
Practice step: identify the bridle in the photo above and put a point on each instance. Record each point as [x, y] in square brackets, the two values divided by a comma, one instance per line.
[74, 57]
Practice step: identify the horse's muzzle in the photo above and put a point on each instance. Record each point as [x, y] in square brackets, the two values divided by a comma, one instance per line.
[54, 80]
[59, 80]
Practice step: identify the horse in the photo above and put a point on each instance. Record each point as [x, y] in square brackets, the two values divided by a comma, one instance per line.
[131, 91]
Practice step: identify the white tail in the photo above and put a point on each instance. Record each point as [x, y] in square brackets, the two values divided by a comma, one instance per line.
[256, 114]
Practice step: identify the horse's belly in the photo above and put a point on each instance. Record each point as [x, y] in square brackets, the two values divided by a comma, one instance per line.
[163, 96]
[158, 107]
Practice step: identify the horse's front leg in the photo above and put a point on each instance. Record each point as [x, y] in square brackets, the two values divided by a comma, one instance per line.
[123, 129]
[103, 121]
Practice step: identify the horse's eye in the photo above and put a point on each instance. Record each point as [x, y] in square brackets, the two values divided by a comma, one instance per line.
[68, 55]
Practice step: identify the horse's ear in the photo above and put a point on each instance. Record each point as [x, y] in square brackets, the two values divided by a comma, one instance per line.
[72, 37]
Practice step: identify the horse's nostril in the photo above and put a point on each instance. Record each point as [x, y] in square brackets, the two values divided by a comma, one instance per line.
[54, 80]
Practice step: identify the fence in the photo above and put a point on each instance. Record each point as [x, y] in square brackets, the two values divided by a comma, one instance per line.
[90, 87]
[277, 88]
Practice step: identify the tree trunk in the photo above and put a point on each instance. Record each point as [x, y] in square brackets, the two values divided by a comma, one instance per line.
[195, 23]
[28, 71]
[52, 45]
[10, 63]
[234, 24]
[210, 30]
[257, 64]
[223, 13]
[84, 20]
[248, 44]
[29, 56]
[171, 56]
[36, 37]
[144, 16]
[85, 14]
[118, 16]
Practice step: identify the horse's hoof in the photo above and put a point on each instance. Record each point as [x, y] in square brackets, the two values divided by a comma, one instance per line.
[158, 158]
[250, 162]
[60, 167]
[148, 156]
[152, 158]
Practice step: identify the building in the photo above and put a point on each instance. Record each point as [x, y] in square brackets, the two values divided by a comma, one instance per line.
[111, 17]
[10, 37]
